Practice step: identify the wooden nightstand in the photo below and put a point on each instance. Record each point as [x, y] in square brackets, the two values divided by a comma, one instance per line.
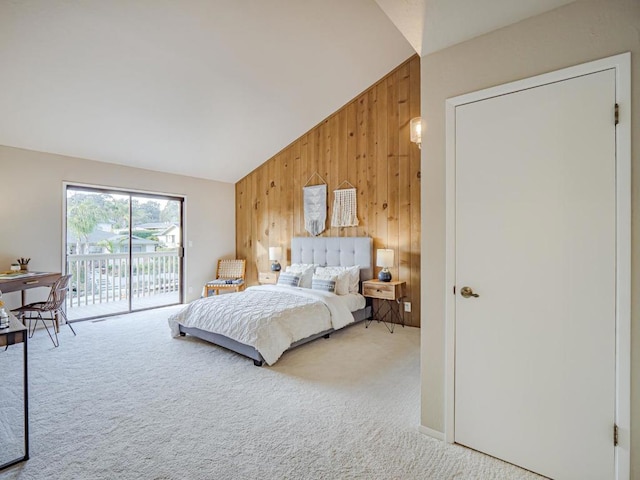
[268, 278]
[387, 293]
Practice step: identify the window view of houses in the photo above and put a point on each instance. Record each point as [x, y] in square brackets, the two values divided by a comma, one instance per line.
[122, 250]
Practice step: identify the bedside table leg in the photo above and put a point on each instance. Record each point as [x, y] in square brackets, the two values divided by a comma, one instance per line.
[383, 318]
[375, 314]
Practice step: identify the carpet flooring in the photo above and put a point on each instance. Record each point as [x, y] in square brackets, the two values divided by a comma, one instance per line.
[124, 400]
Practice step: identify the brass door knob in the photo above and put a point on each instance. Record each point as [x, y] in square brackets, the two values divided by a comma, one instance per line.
[467, 292]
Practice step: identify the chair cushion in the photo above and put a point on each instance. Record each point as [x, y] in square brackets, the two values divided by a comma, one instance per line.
[226, 281]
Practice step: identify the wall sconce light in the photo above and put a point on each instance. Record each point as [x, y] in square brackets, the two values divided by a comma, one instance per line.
[384, 260]
[274, 255]
[415, 127]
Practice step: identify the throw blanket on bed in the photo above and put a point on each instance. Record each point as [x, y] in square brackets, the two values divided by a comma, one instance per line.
[269, 318]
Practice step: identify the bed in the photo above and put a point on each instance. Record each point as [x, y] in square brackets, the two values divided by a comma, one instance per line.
[263, 322]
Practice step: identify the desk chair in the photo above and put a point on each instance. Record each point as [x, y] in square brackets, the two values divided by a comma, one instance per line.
[229, 277]
[54, 306]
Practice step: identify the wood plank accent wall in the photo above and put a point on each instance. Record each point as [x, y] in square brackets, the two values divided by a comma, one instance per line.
[366, 143]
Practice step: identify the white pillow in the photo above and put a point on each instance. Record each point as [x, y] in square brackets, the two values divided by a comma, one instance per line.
[304, 271]
[354, 278]
[343, 278]
[326, 283]
[354, 274]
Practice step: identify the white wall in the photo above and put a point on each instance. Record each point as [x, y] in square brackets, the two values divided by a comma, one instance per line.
[576, 33]
[31, 216]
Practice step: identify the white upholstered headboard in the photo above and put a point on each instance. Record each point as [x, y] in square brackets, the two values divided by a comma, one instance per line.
[335, 251]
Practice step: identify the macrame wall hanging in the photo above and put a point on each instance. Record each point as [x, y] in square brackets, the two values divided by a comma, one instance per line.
[345, 209]
[315, 206]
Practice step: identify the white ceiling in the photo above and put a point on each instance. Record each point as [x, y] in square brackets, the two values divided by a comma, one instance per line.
[431, 25]
[208, 88]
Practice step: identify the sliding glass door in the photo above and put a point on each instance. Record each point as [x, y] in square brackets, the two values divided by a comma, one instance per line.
[156, 249]
[123, 250]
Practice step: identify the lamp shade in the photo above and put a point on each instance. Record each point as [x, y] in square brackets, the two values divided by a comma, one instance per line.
[384, 257]
[275, 253]
[415, 128]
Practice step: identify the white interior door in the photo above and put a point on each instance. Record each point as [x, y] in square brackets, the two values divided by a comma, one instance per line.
[536, 240]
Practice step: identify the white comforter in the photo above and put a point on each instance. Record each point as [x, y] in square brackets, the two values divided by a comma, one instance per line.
[269, 317]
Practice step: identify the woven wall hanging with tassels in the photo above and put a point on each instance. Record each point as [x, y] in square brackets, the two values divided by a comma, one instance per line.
[345, 208]
[315, 206]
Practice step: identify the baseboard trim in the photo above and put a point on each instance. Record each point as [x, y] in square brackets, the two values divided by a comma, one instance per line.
[431, 432]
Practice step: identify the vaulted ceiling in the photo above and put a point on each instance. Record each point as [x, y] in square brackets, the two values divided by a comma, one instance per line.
[431, 25]
[206, 88]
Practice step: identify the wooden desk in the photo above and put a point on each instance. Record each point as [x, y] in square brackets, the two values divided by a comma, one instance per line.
[17, 333]
[22, 282]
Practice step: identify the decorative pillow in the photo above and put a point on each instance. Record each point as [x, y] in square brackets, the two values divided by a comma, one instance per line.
[342, 280]
[354, 278]
[304, 271]
[326, 283]
[288, 280]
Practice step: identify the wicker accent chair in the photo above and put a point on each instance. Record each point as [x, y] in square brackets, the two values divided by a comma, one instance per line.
[54, 307]
[229, 277]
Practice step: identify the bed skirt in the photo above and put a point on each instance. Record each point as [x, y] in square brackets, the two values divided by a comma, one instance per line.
[252, 353]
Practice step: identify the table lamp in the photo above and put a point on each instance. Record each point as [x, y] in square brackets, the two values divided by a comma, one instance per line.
[274, 255]
[385, 260]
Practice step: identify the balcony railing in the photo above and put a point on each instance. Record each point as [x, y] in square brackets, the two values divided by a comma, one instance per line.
[104, 278]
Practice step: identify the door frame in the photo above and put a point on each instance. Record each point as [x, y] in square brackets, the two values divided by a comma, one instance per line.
[130, 191]
[622, 65]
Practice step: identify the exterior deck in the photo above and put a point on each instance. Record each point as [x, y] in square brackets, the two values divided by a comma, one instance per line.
[106, 284]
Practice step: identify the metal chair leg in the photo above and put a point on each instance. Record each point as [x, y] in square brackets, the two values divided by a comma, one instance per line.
[66, 320]
[74, 332]
[56, 342]
[31, 327]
